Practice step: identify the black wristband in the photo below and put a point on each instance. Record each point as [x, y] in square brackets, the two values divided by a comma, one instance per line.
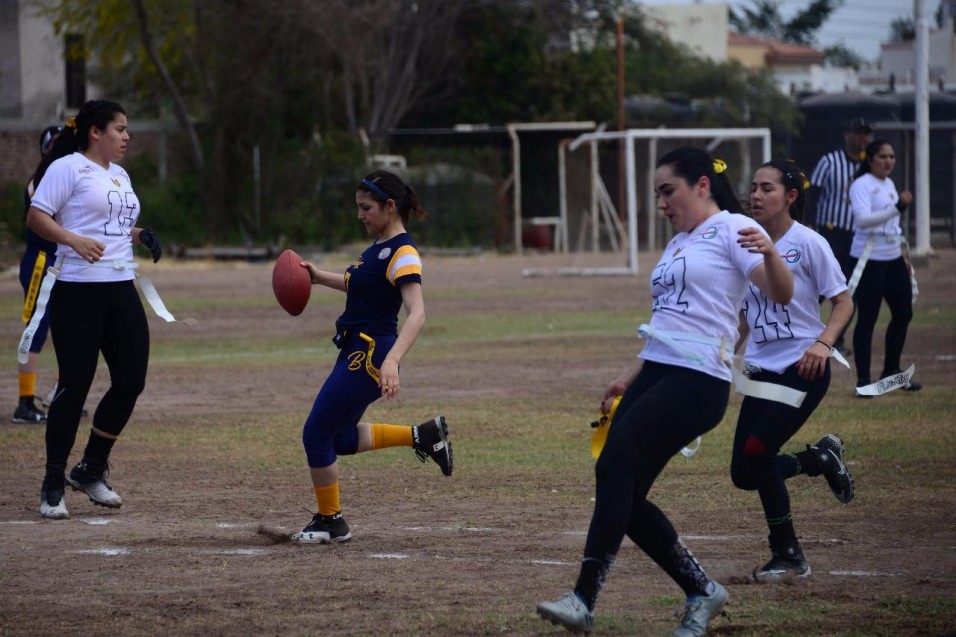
[901, 206]
[822, 343]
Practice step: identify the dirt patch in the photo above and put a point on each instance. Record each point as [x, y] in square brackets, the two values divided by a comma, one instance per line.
[213, 453]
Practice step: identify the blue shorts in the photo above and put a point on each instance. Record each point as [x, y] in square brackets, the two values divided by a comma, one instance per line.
[331, 429]
[33, 267]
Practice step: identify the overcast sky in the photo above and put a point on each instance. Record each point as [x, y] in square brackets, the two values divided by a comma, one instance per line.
[860, 25]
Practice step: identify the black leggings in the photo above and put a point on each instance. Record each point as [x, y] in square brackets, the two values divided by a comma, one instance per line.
[663, 410]
[888, 280]
[89, 318]
[763, 427]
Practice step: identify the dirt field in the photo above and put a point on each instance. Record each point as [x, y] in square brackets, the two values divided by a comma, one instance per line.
[213, 452]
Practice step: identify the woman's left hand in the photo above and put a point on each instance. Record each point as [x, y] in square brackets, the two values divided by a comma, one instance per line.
[813, 364]
[388, 379]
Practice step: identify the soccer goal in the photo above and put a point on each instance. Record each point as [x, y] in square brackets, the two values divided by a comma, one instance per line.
[593, 230]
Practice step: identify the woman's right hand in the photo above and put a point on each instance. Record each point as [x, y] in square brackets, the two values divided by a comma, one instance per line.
[88, 249]
[615, 389]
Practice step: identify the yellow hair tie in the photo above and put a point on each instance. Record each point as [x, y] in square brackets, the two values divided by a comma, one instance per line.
[71, 121]
[806, 182]
[719, 166]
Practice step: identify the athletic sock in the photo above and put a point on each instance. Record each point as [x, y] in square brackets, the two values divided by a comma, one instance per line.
[591, 579]
[327, 499]
[28, 384]
[98, 449]
[788, 465]
[781, 530]
[391, 436]
[685, 570]
[809, 462]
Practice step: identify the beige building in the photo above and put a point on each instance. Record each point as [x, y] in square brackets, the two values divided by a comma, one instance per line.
[700, 27]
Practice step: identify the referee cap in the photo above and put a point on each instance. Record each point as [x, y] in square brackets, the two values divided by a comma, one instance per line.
[47, 136]
[859, 125]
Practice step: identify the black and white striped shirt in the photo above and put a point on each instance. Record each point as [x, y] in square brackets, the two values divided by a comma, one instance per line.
[833, 175]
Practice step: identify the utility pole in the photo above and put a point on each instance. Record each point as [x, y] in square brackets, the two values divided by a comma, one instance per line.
[622, 143]
[921, 103]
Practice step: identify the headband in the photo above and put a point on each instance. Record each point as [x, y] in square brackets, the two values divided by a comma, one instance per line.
[378, 191]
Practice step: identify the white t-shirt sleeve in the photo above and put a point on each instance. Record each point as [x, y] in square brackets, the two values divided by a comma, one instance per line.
[56, 187]
[826, 271]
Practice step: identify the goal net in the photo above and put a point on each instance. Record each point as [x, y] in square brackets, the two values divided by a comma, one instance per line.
[598, 235]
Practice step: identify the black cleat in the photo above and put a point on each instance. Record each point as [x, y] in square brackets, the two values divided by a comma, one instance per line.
[28, 413]
[787, 563]
[829, 451]
[430, 440]
[324, 529]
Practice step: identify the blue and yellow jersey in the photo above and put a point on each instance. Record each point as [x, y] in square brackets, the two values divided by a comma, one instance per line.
[34, 241]
[373, 298]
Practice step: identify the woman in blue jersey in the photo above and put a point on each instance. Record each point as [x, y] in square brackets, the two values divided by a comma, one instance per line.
[681, 389]
[788, 363]
[387, 276]
[37, 257]
[86, 205]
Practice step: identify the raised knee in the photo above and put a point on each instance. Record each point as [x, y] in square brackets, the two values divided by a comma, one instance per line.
[754, 446]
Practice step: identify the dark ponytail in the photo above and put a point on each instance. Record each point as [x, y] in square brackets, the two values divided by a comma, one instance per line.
[691, 163]
[792, 178]
[76, 134]
[383, 185]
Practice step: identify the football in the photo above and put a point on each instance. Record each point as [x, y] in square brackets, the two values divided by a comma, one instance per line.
[291, 283]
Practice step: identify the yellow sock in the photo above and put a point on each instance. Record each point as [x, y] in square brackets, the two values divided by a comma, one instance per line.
[28, 384]
[328, 499]
[391, 436]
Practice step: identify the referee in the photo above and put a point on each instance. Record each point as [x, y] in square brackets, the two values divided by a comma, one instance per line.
[829, 196]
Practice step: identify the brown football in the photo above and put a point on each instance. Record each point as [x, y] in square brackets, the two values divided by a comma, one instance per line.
[291, 283]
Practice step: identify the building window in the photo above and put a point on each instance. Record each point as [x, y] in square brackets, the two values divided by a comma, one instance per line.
[75, 70]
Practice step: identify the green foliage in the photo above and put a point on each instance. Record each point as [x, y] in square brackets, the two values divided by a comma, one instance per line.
[541, 60]
[763, 19]
[11, 212]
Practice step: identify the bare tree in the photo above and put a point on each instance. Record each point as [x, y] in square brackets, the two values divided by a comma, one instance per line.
[391, 53]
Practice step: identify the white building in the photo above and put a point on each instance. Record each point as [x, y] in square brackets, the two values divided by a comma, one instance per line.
[39, 83]
[700, 27]
[704, 28]
[898, 59]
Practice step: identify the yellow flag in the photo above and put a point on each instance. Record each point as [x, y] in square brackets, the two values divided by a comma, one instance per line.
[601, 426]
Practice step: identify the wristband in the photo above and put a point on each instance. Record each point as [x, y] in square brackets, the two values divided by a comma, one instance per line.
[822, 343]
[901, 206]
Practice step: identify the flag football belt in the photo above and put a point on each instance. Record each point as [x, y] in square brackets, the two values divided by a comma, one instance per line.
[865, 256]
[774, 391]
[33, 290]
[149, 291]
[672, 340]
[370, 368]
[888, 384]
[603, 423]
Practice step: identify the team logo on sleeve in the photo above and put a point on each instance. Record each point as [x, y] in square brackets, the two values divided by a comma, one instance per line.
[792, 255]
[384, 254]
[709, 233]
[116, 182]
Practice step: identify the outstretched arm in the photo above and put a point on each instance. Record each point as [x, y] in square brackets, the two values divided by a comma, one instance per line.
[334, 280]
